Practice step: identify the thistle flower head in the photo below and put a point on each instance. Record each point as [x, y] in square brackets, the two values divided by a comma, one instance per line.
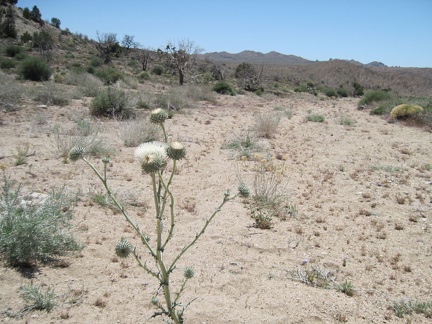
[123, 248]
[76, 153]
[158, 116]
[243, 190]
[152, 156]
[176, 151]
[189, 273]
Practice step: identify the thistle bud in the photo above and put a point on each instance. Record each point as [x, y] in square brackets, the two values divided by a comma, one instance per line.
[176, 151]
[189, 273]
[76, 153]
[158, 116]
[105, 160]
[123, 248]
[243, 190]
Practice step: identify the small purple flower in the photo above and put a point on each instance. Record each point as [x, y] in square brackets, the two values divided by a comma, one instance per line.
[305, 261]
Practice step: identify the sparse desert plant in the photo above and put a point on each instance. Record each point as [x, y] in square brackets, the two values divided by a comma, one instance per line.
[109, 75]
[34, 69]
[200, 93]
[407, 307]
[173, 99]
[111, 103]
[346, 287]
[314, 276]
[84, 134]
[266, 125]
[34, 230]
[316, 118]
[21, 154]
[137, 131]
[269, 199]
[223, 87]
[13, 50]
[346, 121]
[244, 145]
[36, 299]
[52, 94]
[154, 158]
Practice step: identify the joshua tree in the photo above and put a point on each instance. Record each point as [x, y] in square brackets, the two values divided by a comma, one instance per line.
[180, 57]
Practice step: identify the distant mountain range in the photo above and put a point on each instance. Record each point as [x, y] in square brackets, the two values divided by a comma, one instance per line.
[267, 58]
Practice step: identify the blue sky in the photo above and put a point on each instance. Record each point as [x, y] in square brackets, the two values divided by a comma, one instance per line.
[395, 32]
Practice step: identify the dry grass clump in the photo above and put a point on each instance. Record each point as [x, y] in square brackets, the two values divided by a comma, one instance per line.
[135, 132]
[266, 125]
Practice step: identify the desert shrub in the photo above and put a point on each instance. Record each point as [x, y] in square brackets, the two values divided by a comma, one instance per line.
[266, 125]
[109, 75]
[138, 131]
[34, 230]
[342, 92]
[111, 103]
[26, 37]
[52, 94]
[144, 76]
[224, 88]
[330, 92]
[200, 93]
[157, 70]
[358, 89]
[374, 96]
[405, 111]
[88, 84]
[10, 92]
[13, 50]
[96, 61]
[408, 307]
[316, 118]
[35, 299]
[83, 134]
[6, 64]
[173, 99]
[34, 69]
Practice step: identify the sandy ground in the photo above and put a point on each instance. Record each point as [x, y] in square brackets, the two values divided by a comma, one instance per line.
[363, 192]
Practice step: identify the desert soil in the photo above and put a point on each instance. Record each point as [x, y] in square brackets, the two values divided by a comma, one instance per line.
[363, 193]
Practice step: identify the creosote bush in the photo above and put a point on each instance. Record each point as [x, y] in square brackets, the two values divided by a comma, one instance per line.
[34, 69]
[153, 159]
[111, 103]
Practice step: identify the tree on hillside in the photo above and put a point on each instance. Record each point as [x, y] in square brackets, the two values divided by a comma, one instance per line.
[7, 26]
[128, 42]
[26, 13]
[55, 22]
[248, 76]
[144, 56]
[35, 14]
[107, 46]
[5, 2]
[44, 42]
[180, 57]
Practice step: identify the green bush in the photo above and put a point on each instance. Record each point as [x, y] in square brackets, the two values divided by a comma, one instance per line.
[315, 118]
[34, 69]
[96, 61]
[342, 92]
[6, 64]
[109, 75]
[157, 70]
[13, 50]
[34, 230]
[224, 88]
[374, 96]
[111, 103]
[330, 92]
